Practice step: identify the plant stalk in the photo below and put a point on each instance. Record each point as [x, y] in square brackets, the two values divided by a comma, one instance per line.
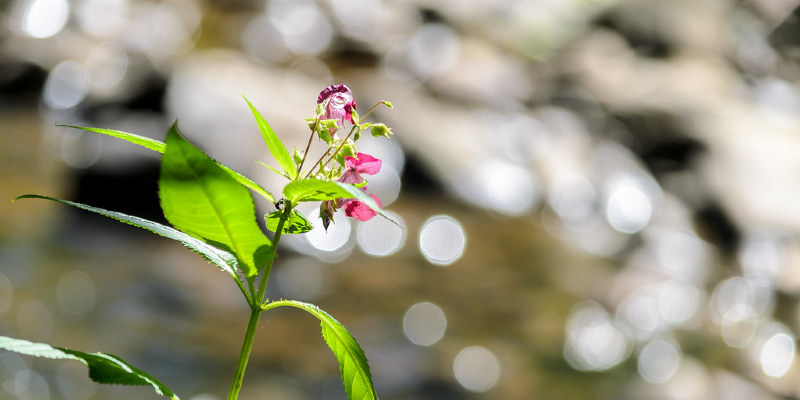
[255, 309]
[244, 355]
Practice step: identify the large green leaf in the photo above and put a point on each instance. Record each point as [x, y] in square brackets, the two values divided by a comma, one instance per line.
[274, 143]
[200, 198]
[219, 257]
[103, 368]
[353, 364]
[296, 223]
[155, 145]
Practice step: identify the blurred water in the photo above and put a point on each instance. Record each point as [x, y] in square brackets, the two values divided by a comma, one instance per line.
[611, 187]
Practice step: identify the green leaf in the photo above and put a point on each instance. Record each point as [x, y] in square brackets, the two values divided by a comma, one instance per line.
[320, 190]
[274, 144]
[313, 189]
[353, 363]
[103, 368]
[283, 174]
[151, 144]
[296, 223]
[160, 147]
[200, 198]
[219, 257]
[360, 195]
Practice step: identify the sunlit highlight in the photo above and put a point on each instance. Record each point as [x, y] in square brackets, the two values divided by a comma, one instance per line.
[442, 240]
[593, 342]
[334, 238]
[629, 209]
[44, 18]
[66, 86]
[476, 369]
[777, 355]
[424, 323]
[380, 237]
[659, 361]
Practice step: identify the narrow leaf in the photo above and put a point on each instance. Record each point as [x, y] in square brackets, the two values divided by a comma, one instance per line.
[296, 223]
[274, 143]
[353, 364]
[202, 199]
[155, 145]
[151, 144]
[219, 257]
[103, 368]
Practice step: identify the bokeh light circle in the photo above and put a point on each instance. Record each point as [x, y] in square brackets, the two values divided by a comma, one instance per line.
[476, 369]
[380, 236]
[424, 323]
[442, 240]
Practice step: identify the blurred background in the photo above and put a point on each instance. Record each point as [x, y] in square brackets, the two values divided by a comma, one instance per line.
[598, 199]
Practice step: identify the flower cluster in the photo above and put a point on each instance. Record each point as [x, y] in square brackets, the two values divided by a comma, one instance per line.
[336, 106]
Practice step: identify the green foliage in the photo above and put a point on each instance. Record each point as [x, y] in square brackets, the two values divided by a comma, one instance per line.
[201, 199]
[221, 258]
[213, 215]
[151, 144]
[353, 364]
[155, 145]
[274, 144]
[313, 190]
[103, 368]
[320, 190]
[295, 224]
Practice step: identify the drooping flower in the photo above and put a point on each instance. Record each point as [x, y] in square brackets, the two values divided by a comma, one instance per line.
[360, 211]
[339, 103]
[355, 166]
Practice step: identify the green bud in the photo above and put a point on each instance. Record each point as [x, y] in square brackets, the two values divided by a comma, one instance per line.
[388, 104]
[381, 130]
[339, 157]
[324, 129]
[311, 121]
[298, 156]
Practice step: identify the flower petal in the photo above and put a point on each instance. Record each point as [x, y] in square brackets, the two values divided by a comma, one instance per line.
[351, 176]
[329, 91]
[363, 164]
[359, 210]
[339, 103]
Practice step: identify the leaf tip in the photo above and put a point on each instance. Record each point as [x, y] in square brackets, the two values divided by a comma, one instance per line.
[24, 196]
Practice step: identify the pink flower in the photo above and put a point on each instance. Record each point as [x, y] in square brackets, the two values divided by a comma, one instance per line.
[360, 164]
[355, 166]
[360, 211]
[339, 103]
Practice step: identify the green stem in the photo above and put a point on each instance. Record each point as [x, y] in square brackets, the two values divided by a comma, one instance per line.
[308, 146]
[262, 286]
[255, 309]
[321, 165]
[244, 355]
